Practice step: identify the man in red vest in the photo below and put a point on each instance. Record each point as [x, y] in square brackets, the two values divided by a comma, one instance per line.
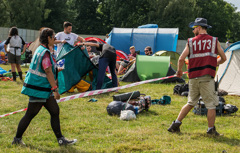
[202, 51]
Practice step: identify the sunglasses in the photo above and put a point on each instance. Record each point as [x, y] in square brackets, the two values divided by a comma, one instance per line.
[146, 50]
[193, 28]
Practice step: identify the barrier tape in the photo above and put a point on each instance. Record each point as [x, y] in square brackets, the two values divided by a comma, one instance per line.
[97, 92]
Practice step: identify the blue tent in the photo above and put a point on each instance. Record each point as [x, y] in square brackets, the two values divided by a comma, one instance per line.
[2, 46]
[157, 38]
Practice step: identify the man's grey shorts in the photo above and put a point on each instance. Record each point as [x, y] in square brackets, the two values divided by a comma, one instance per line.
[205, 87]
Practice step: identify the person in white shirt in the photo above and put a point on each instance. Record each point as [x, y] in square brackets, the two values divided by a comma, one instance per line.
[13, 46]
[66, 36]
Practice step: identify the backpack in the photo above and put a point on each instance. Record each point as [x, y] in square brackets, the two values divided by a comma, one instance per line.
[221, 109]
[229, 109]
[180, 88]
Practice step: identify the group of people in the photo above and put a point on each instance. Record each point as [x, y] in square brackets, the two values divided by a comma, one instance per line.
[41, 80]
[123, 64]
[40, 83]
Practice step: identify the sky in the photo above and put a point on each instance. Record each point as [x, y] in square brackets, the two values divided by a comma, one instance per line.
[235, 2]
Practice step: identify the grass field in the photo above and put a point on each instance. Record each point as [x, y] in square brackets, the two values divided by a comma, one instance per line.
[96, 131]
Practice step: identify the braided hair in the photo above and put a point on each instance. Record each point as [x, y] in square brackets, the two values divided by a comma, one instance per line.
[44, 34]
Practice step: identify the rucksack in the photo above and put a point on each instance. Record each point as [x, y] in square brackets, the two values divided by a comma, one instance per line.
[221, 109]
[229, 109]
[179, 88]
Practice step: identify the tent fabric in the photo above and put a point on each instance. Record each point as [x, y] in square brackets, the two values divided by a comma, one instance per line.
[174, 56]
[171, 71]
[95, 39]
[2, 46]
[121, 54]
[76, 66]
[151, 67]
[2, 71]
[157, 38]
[148, 26]
[131, 75]
[228, 74]
[34, 45]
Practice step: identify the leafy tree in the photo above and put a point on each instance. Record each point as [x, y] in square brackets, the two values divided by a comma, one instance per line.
[219, 15]
[55, 13]
[21, 15]
[179, 13]
[86, 19]
[128, 13]
[234, 33]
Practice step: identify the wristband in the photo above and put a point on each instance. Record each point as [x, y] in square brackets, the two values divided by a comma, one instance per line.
[54, 88]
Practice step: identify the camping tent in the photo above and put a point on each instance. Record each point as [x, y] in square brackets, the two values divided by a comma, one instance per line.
[34, 45]
[157, 38]
[2, 45]
[121, 54]
[95, 39]
[150, 67]
[228, 73]
[174, 56]
[76, 65]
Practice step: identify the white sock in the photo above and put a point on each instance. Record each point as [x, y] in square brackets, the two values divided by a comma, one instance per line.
[177, 121]
[209, 128]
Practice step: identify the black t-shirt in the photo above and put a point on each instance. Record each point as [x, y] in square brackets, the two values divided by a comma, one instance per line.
[107, 51]
[8, 41]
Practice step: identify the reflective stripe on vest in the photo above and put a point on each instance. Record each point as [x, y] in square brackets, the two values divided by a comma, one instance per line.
[212, 53]
[37, 73]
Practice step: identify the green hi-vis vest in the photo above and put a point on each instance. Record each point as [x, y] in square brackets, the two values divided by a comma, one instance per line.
[36, 83]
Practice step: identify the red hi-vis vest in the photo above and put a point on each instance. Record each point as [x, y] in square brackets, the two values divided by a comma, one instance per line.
[203, 56]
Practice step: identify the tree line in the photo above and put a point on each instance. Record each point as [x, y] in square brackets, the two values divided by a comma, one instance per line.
[98, 17]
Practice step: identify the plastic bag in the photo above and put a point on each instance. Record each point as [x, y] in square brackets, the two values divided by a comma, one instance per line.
[127, 115]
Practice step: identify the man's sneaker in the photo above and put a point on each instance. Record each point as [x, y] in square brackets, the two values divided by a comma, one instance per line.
[174, 127]
[63, 141]
[18, 141]
[213, 132]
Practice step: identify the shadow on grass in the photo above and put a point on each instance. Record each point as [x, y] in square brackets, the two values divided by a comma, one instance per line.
[229, 141]
[62, 149]
[148, 113]
[220, 139]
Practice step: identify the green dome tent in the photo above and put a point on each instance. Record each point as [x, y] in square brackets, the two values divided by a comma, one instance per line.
[174, 56]
[150, 67]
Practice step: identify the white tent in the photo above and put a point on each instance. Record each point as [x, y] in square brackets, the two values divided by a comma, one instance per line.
[229, 72]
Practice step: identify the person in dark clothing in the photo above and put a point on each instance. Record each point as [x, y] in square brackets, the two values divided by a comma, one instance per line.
[40, 85]
[108, 57]
[13, 46]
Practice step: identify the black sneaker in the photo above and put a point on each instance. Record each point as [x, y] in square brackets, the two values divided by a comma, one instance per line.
[18, 141]
[213, 132]
[174, 127]
[63, 141]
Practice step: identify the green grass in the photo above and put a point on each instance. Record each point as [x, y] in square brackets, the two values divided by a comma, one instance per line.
[96, 131]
